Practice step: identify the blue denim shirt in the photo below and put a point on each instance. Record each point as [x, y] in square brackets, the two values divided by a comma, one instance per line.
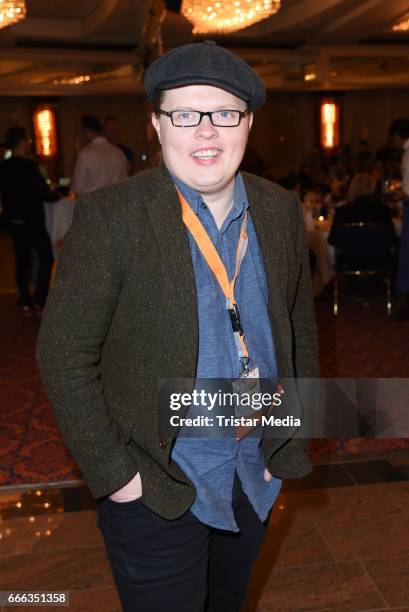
[211, 462]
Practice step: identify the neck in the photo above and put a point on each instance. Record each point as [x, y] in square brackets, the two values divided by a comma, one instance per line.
[220, 204]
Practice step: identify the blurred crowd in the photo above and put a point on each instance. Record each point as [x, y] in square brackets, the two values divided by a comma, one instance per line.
[353, 186]
[335, 186]
[26, 195]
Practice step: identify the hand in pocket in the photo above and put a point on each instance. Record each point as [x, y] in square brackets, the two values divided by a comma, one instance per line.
[129, 492]
[267, 476]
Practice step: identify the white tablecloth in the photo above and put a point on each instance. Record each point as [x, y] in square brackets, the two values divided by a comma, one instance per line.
[58, 218]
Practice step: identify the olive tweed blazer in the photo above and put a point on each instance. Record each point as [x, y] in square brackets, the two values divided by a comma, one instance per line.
[123, 314]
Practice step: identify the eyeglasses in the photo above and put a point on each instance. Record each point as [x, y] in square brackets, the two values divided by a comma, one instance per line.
[220, 118]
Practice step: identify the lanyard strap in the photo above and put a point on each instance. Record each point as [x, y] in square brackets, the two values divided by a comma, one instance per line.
[216, 265]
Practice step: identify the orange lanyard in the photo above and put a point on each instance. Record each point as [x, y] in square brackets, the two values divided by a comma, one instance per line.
[213, 260]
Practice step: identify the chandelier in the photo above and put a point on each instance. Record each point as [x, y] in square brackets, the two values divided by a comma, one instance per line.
[208, 16]
[11, 11]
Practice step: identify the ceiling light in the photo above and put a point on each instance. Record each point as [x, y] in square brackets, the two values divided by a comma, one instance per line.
[46, 142]
[75, 80]
[12, 11]
[330, 131]
[403, 26]
[226, 15]
[310, 76]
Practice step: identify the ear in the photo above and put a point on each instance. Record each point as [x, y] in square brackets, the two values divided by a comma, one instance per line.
[156, 124]
[251, 117]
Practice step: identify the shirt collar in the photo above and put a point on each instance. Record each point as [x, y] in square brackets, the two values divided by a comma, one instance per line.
[194, 198]
[191, 196]
[99, 139]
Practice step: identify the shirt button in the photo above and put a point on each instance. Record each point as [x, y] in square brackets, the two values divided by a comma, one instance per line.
[203, 205]
[162, 444]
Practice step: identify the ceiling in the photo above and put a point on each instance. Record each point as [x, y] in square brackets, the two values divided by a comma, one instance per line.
[100, 46]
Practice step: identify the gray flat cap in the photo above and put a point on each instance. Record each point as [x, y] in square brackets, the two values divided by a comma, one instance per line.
[205, 63]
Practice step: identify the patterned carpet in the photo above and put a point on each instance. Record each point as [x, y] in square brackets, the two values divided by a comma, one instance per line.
[361, 341]
[31, 447]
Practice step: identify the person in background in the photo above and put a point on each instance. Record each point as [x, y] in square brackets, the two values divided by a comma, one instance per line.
[290, 182]
[3, 151]
[386, 152]
[363, 206]
[23, 192]
[346, 158]
[339, 180]
[110, 129]
[378, 177]
[311, 200]
[99, 163]
[399, 134]
[363, 155]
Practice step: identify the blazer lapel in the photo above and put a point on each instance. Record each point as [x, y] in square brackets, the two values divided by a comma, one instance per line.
[164, 211]
[273, 246]
[165, 214]
[265, 216]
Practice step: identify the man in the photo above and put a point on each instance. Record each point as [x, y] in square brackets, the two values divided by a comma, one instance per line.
[399, 133]
[110, 129]
[363, 155]
[99, 163]
[23, 192]
[136, 301]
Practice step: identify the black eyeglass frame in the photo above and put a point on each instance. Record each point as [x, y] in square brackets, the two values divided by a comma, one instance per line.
[204, 114]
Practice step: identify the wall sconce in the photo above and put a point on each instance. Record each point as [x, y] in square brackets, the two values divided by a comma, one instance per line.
[329, 124]
[45, 131]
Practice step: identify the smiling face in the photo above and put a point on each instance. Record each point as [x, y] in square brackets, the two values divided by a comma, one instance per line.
[204, 157]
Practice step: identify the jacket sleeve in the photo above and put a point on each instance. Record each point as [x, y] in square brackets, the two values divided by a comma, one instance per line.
[40, 187]
[79, 178]
[305, 349]
[74, 326]
[305, 345]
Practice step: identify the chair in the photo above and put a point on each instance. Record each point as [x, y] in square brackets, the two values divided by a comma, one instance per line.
[363, 249]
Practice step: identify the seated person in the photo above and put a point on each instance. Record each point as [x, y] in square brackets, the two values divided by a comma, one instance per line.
[311, 202]
[363, 206]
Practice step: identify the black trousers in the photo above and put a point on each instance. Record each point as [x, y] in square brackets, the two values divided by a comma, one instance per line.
[181, 565]
[27, 238]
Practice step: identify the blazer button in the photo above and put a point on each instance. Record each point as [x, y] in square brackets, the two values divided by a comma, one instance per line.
[162, 444]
